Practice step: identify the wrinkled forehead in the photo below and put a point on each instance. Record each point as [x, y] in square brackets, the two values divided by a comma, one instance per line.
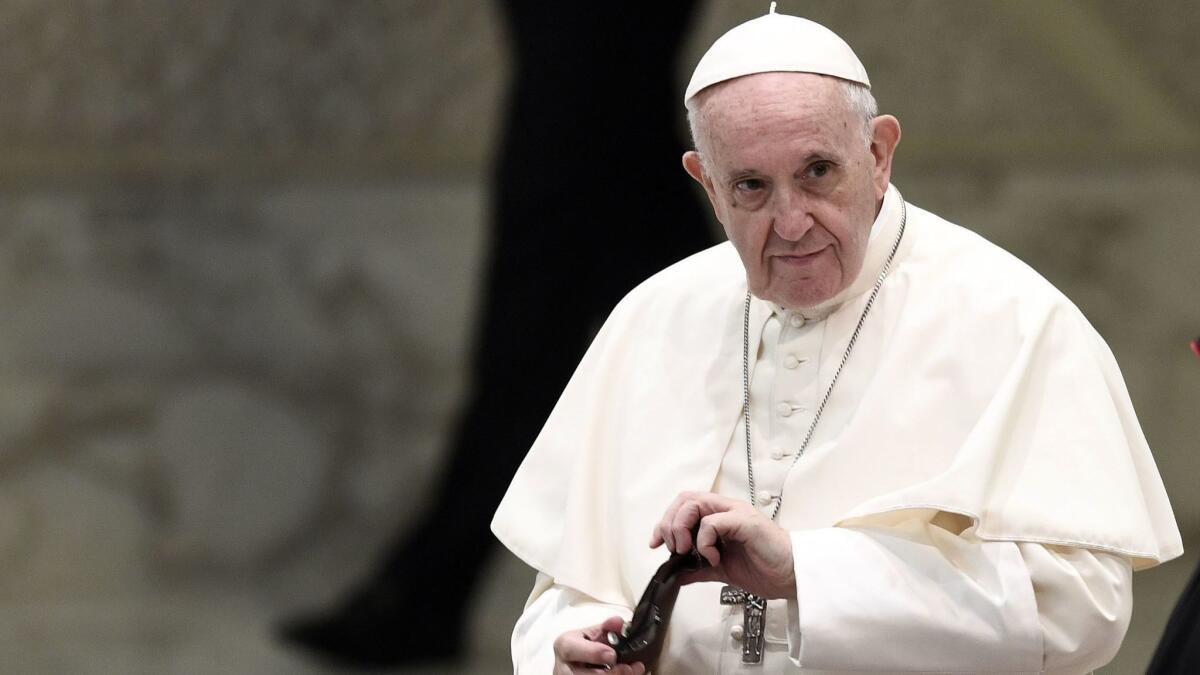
[766, 99]
[769, 88]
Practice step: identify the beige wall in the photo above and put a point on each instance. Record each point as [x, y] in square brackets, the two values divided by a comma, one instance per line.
[239, 245]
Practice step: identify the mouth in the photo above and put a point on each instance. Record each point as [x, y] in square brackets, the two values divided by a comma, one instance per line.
[800, 259]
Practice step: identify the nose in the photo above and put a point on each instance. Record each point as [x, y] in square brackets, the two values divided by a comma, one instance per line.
[792, 218]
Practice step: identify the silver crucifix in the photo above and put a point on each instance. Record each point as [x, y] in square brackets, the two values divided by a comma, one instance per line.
[754, 616]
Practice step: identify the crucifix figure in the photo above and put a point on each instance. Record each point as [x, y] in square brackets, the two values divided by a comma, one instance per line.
[754, 616]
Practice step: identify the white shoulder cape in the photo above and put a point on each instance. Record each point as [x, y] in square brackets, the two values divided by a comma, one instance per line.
[976, 388]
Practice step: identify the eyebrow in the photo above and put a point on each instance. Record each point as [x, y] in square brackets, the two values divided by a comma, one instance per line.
[742, 173]
[808, 159]
[827, 156]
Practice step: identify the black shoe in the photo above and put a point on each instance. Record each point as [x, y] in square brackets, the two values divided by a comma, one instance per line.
[375, 628]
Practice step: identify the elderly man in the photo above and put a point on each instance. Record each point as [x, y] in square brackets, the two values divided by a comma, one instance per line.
[916, 451]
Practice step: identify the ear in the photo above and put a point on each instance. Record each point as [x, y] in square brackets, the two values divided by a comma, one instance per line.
[694, 165]
[885, 136]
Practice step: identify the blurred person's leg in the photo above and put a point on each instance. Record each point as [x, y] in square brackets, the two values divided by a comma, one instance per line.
[589, 201]
[414, 601]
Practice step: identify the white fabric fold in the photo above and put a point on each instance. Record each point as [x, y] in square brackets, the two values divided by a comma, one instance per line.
[917, 596]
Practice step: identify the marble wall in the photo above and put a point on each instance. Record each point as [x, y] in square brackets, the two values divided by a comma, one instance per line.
[240, 247]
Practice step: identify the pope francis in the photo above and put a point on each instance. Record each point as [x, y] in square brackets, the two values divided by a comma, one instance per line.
[904, 450]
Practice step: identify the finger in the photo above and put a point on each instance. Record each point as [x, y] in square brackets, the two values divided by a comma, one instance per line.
[712, 502]
[599, 633]
[697, 505]
[595, 668]
[659, 536]
[675, 527]
[638, 668]
[662, 531]
[681, 527]
[585, 669]
[656, 539]
[715, 528]
[613, 623]
[580, 669]
[575, 648]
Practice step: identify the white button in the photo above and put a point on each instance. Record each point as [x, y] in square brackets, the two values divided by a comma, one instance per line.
[736, 632]
[796, 320]
[791, 362]
[778, 453]
[764, 497]
[784, 409]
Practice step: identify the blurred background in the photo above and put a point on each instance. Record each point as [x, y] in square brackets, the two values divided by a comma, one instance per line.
[241, 247]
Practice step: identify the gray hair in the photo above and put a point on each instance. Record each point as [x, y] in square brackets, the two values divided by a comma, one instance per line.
[857, 96]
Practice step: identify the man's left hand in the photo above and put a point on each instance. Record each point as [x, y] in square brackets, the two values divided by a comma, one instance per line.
[744, 547]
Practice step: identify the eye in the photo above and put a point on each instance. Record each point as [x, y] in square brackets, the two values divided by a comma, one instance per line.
[748, 185]
[820, 169]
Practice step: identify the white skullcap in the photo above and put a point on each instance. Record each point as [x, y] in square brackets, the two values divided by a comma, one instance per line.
[775, 43]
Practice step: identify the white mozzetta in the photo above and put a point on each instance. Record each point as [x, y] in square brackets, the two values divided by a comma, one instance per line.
[976, 389]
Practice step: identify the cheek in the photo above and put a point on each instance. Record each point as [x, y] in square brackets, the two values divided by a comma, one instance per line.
[738, 237]
[854, 249]
[844, 219]
[748, 234]
[748, 239]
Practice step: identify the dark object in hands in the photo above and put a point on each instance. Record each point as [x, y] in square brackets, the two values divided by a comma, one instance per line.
[642, 638]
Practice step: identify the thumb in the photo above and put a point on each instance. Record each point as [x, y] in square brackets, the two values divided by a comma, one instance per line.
[613, 623]
[597, 633]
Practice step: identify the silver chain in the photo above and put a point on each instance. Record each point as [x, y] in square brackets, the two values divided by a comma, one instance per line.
[829, 390]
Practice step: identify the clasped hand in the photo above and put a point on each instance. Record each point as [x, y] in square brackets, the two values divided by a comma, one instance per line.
[744, 548]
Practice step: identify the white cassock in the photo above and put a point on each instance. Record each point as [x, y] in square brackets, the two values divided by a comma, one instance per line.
[974, 499]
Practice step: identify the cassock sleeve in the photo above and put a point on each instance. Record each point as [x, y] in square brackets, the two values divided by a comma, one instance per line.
[920, 598]
[551, 611]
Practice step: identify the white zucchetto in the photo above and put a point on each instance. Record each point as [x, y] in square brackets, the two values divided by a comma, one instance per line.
[776, 43]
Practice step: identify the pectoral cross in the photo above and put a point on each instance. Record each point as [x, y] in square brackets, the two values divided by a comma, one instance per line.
[754, 616]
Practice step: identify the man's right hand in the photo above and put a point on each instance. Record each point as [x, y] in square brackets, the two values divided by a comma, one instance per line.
[587, 651]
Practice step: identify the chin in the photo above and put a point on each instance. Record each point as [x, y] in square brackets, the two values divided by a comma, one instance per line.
[806, 302]
[799, 298]
[801, 288]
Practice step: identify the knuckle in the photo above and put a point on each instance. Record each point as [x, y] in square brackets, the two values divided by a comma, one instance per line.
[562, 644]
